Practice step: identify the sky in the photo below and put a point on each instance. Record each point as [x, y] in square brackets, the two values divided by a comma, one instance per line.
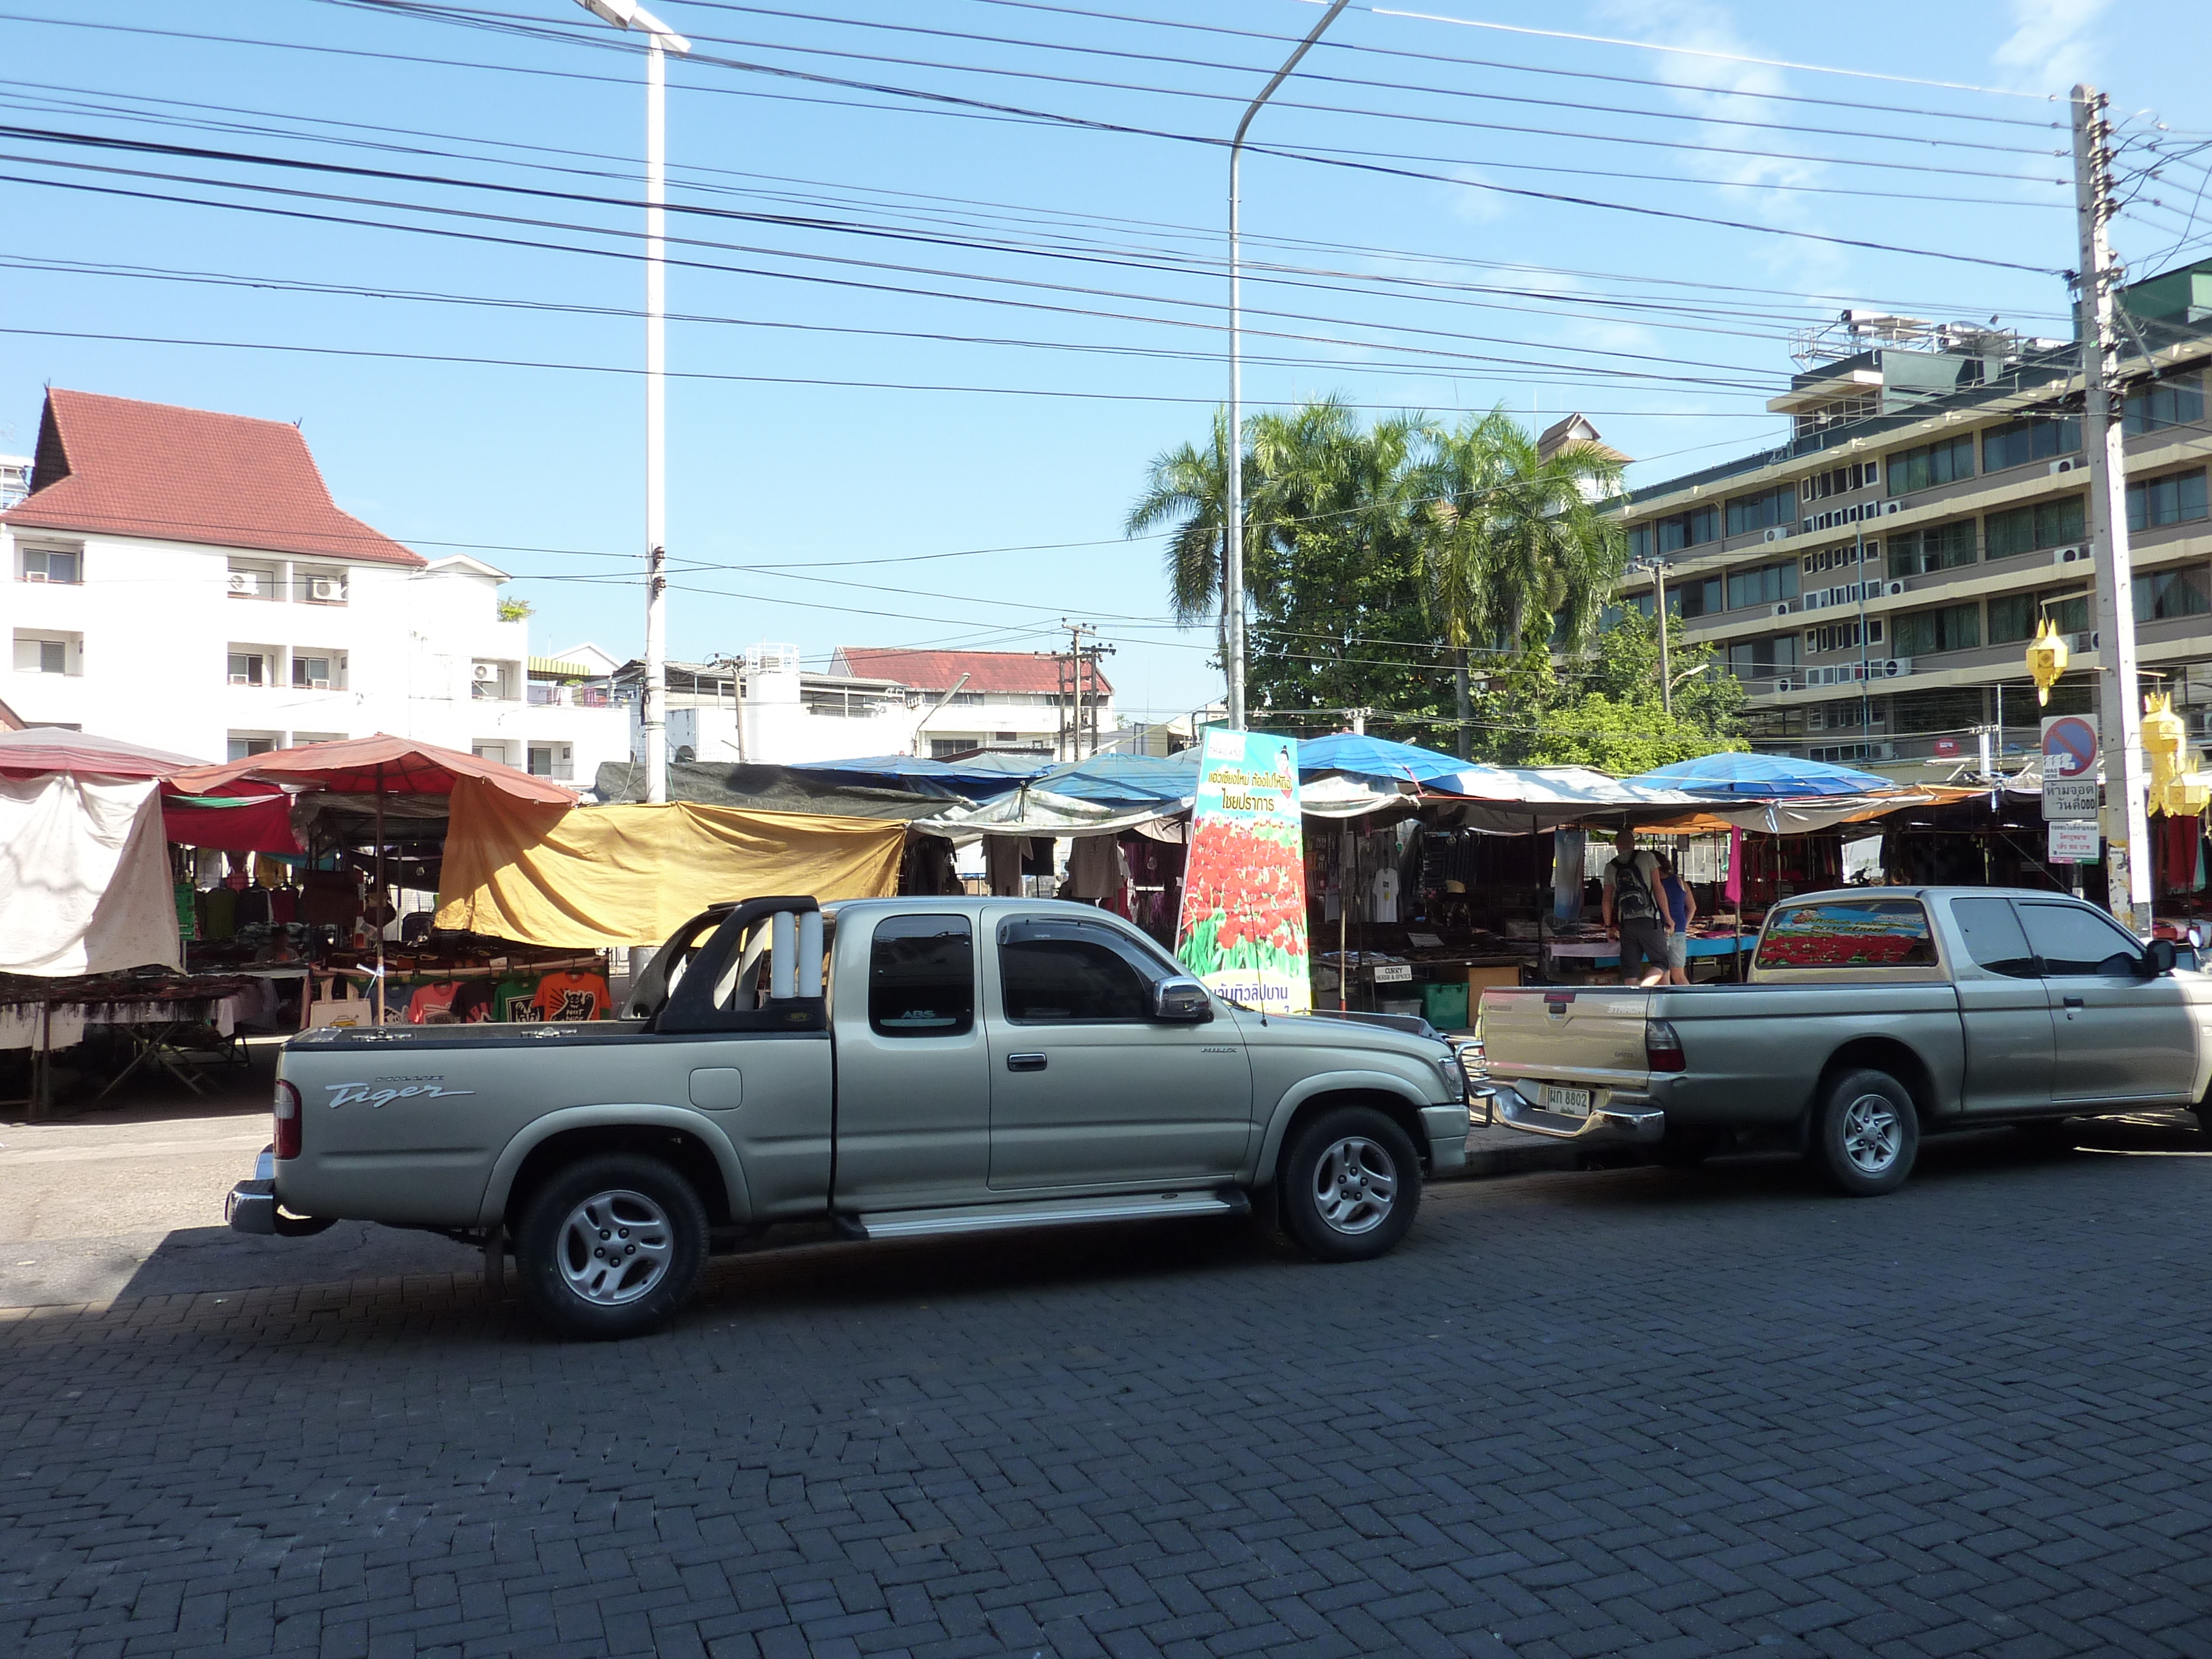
[947, 275]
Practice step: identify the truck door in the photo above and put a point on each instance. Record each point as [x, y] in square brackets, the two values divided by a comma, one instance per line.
[2116, 1035]
[913, 1085]
[1086, 1088]
[2005, 1009]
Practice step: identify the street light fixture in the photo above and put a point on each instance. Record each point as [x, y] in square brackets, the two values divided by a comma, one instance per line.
[1232, 563]
[653, 700]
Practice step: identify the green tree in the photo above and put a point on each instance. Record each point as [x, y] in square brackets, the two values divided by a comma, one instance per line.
[1601, 708]
[1189, 488]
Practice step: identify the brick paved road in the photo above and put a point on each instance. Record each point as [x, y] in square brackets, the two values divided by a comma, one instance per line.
[1579, 1413]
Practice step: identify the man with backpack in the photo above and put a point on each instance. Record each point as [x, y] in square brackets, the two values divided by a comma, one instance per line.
[1634, 912]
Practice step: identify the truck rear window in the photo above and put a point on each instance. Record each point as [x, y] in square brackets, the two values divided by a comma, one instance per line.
[1848, 933]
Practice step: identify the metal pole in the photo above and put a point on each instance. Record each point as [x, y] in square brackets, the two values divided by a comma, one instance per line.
[1232, 564]
[1659, 611]
[378, 905]
[2127, 827]
[652, 710]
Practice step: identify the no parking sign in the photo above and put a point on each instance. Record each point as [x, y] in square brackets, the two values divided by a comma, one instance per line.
[2069, 745]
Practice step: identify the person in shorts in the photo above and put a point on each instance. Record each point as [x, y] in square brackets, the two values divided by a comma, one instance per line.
[1633, 912]
[1682, 910]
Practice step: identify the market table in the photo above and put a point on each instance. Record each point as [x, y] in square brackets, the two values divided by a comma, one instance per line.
[1606, 953]
[43, 1017]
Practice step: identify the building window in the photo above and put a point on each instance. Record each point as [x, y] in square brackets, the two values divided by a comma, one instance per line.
[1763, 584]
[494, 752]
[1771, 658]
[312, 586]
[1696, 527]
[1748, 514]
[552, 760]
[2013, 615]
[1842, 636]
[2178, 498]
[1931, 464]
[1954, 628]
[1003, 737]
[47, 653]
[322, 671]
[1840, 480]
[301, 739]
[2031, 529]
[2016, 443]
[251, 582]
[1955, 708]
[244, 746]
[2165, 594]
[2176, 402]
[1701, 597]
[1940, 547]
[252, 666]
[1639, 541]
[53, 564]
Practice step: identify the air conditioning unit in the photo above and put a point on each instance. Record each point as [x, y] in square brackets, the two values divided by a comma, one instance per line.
[1782, 607]
[2083, 554]
[1889, 750]
[243, 582]
[1893, 590]
[484, 672]
[325, 588]
[2082, 641]
[242, 679]
[34, 575]
[1779, 533]
[1888, 508]
[2070, 464]
[1889, 668]
[318, 685]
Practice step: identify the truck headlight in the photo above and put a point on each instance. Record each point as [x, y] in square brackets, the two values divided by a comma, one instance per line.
[1455, 1076]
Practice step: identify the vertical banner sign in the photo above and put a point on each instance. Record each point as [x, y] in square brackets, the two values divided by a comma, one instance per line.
[1244, 925]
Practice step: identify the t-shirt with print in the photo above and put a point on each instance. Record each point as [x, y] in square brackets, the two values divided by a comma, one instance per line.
[515, 998]
[1630, 880]
[571, 996]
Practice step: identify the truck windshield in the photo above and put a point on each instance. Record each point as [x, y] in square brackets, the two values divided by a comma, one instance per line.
[1848, 933]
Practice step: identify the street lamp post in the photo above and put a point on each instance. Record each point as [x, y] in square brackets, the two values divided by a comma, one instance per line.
[653, 699]
[1232, 562]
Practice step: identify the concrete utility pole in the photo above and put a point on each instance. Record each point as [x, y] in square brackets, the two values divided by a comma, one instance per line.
[1232, 552]
[1659, 612]
[2127, 828]
[652, 693]
[1082, 662]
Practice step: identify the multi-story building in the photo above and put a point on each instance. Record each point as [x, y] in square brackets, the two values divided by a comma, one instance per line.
[1873, 580]
[15, 479]
[765, 707]
[183, 579]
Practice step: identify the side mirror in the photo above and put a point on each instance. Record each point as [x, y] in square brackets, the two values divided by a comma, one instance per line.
[2158, 957]
[1182, 1000]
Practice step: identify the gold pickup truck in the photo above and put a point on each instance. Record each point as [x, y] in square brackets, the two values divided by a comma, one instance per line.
[1871, 1016]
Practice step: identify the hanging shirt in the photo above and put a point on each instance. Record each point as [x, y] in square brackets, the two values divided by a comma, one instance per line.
[1384, 889]
[571, 996]
[430, 999]
[514, 999]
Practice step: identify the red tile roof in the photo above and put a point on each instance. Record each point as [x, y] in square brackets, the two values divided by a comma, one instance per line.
[119, 467]
[987, 671]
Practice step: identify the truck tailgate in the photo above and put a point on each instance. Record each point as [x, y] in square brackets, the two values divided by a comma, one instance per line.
[1589, 1036]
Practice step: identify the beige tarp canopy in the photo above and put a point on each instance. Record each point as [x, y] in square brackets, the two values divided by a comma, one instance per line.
[592, 877]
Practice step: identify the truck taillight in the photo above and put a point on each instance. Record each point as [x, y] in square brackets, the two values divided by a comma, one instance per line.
[287, 1106]
[1663, 1046]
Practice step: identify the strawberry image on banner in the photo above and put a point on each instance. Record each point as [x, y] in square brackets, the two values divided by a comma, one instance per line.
[1244, 925]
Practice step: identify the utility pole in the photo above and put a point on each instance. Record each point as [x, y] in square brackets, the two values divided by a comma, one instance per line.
[1082, 661]
[2127, 826]
[1659, 612]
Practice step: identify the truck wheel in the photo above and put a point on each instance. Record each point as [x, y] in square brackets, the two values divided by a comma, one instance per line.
[1350, 1182]
[1866, 1134]
[611, 1247]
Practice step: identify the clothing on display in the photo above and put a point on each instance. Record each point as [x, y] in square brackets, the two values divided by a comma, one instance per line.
[218, 913]
[573, 996]
[1002, 865]
[188, 911]
[514, 998]
[1095, 868]
[1568, 849]
[1384, 891]
[431, 1001]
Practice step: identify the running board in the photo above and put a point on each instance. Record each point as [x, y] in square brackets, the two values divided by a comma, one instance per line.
[999, 1218]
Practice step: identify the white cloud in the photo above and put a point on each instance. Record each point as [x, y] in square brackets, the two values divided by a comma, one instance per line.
[2051, 47]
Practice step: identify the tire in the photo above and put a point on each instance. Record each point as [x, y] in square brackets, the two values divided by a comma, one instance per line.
[620, 1200]
[1866, 1134]
[1351, 1182]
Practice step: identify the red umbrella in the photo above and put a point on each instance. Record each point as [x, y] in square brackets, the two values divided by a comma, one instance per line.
[39, 750]
[377, 766]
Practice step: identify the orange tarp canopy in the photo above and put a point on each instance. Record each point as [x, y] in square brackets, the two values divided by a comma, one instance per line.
[597, 876]
[382, 764]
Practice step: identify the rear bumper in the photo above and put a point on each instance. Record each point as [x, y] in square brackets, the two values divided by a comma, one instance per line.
[1615, 1125]
[251, 1206]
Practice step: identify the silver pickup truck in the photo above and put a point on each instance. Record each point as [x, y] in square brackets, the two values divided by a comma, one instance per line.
[896, 1068]
[1871, 1016]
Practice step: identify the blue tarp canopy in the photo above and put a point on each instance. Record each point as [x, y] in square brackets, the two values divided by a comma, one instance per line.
[1115, 780]
[1374, 757]
[1762, 777]
[917, 772]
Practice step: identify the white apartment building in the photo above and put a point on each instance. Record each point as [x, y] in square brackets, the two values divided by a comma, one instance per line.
[183, 579]
[765, 707]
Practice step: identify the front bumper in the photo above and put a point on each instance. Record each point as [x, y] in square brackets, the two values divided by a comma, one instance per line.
[1609, 1126]
[1446, 1127]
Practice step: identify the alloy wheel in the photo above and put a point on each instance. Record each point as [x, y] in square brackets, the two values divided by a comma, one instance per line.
[615, 1247]
[1354, 1185]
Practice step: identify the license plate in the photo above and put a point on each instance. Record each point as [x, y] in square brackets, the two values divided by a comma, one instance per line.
[1574, 1101]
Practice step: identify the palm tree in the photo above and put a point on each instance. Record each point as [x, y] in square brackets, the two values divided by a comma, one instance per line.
[1509, 533]
[1189, 488]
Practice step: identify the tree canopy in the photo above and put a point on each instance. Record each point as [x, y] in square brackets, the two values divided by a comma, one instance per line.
[1393, 566]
